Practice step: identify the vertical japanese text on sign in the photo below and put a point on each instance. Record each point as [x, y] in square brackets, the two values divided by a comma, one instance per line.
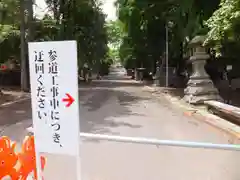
[53, 71]
[41, 90]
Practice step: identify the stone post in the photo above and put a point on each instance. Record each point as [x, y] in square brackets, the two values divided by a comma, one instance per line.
[199, 87]
[141, 73]
[157, 74]
[137, 75]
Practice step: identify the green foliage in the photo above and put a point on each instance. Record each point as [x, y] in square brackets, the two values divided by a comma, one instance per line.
[126, 53]
[224, 26]
[9, 29]
[9, 12]
[145, 22]
[81, 20]
[113, 54]
[9, 42]
[46, 29]
[115, 32]
[144, 27]
[137, 38]
[222, 22]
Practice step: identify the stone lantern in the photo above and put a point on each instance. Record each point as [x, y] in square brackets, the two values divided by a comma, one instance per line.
[200, 87]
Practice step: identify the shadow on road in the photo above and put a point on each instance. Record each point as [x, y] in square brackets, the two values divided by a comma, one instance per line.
[102, 97]
[105, 108]
[112, 84]
[15, 113]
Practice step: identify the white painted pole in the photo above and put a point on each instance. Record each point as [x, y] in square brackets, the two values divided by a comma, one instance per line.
[167, 55]
[157, 142]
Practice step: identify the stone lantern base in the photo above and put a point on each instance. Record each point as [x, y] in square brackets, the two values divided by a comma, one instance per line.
[200, 90]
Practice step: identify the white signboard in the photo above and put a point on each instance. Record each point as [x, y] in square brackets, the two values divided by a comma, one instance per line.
[54, 92]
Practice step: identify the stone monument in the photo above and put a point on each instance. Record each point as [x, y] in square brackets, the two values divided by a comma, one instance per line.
[200, 87]
[157, 75]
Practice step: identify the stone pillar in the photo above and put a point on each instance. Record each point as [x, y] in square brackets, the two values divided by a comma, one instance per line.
[199, 87]
[157, 75]
[137, 75]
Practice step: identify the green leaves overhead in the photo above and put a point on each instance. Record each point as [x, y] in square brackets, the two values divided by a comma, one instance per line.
[223, 20]
[224, 28]
[145, 22]
[115, 32]
[9, 11]
[8, 31]
[81, 20]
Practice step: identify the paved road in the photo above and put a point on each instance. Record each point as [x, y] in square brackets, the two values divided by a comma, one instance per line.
[119, 107]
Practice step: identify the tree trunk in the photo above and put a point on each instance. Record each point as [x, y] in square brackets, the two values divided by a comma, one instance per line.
[30, 21]
[63, 19]
[30, 36]
[24, 83]
[56, 12]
